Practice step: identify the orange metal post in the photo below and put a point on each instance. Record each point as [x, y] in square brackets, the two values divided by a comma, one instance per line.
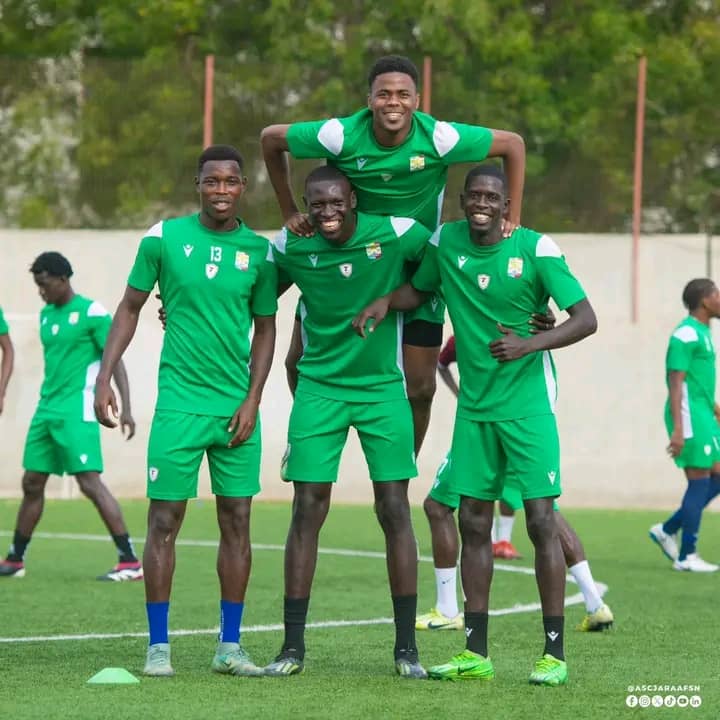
[637, 186]
[427, 84]
[208, 114]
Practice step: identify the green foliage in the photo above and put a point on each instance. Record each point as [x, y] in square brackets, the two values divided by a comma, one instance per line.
[562, 74]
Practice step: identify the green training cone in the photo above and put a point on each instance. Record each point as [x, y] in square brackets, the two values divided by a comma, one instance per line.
[113, 676]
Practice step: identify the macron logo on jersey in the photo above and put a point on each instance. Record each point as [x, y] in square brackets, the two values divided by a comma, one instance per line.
[462, 259]
[313, 259]
[188, 249]
[361, 163]
[551, 477]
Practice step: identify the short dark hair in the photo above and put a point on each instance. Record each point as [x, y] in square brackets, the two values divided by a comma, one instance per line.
[52, 263]
[393, 63]
[326, 173]
[696, 291]
[486, 171]
[220, 152]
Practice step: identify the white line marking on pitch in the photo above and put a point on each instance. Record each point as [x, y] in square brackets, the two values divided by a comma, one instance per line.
[575, 599]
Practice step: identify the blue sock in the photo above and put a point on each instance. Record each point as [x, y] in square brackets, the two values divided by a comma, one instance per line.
[157, 613]
[692, 507]
[714, 490]
[230, 619]
[673, 523]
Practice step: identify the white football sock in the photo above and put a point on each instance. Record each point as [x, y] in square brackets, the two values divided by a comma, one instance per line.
[505, 527]
[445, 580]
[584, 579]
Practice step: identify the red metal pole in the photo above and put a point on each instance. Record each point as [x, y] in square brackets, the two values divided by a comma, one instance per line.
[637, 186]
[208, 114]
[427, 84]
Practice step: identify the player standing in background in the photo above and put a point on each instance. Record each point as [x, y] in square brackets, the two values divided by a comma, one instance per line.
[343, 382]
[505, 423]
[397, 160]
[8, 358]
[64, 436]
[216, 279]
[691, 419]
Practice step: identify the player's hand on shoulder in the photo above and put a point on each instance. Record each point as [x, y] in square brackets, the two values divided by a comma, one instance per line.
[243, 422]
[509, 227]
[105, 404]
[299, 224]
[366, 321]
[540, 323]
[508, 347]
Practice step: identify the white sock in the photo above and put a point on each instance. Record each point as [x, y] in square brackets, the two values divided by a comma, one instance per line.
[505, 526]
[584, 579]
[445, 580]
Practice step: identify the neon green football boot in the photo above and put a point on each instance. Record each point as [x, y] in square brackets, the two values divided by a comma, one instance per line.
[549, 671]
[466, 665]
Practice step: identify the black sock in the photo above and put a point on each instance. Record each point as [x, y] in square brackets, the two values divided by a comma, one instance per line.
[18, 547]
[125, 548]
[295, 612]
[404, 611]
[476, 630]
[554, 641]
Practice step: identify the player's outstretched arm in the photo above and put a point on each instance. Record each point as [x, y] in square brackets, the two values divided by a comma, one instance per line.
[261, 356]
[676, 382]
[580, 323]
[406, 297]
[122, 331]
[127, 423]
[511, 148]
[273, 140]
[6, 367]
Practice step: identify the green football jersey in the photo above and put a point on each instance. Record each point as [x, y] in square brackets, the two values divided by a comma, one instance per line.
[691, 351]
[212, 284]
[503, 283]
[3, 324]
[336, 283]
[407, 180]
[73, 337]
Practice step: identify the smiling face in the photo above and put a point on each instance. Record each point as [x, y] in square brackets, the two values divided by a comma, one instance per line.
[330, 206]
[221, 185]
[393, 99]
[485, 205]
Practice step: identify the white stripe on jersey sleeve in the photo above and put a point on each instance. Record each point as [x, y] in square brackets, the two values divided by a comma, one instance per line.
[269, 257]
[155, 231]
[280, 240]
[445, 137]
[401, 225]
[686, 334]
[332, 136]
[96, 309]
[547, 247]
[435, 237]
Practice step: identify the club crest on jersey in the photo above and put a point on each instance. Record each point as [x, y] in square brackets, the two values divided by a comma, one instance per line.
[153, 474]
[374, 250]
[73, 317]
[313, 259]
[417, 162]
[346, 269]
[211, 270]
[242, 260]
[483, 281]
[54, 329]
[515, 267]
[387, 177]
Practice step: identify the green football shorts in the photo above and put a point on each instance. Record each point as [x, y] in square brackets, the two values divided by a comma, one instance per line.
[526, 450]
[176, 447]
[702, 449]
[56, 446]
[318, 430]
[444, 493]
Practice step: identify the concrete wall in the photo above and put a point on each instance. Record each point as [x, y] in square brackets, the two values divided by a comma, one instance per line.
[611, 386]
